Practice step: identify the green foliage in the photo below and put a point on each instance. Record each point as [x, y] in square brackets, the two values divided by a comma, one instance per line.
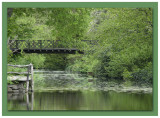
[32, 58]
[143, 76]
[9, 82]
[126, 74]
[13, 69]
[36, 59]
[129, 33]
[66, 24]
[55, 61]
[9, 54]
[27, 27]
[125, 44]
[124, 35]
[81, 63]
[69, 23]
[39, 81]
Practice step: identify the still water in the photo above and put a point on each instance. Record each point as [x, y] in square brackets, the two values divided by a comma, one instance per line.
[78, 100]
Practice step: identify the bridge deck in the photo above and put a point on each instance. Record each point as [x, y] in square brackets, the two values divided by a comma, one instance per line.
[46, 46]
[55, 50]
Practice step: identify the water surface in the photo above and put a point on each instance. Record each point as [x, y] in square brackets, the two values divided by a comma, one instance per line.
[75, 100]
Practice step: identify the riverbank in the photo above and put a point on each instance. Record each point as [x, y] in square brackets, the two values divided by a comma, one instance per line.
[84, 84]
[62, 81]
[115, 89]
[122, 87]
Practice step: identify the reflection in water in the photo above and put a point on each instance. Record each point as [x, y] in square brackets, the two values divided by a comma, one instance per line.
[22, 101]
[75, 100]
[80, 100]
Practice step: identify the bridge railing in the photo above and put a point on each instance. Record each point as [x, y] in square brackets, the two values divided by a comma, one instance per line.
[46, 44]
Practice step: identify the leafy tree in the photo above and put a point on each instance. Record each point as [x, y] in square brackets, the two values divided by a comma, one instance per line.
[127, 34]
[65, 24]
[124, 36]
[125, 44]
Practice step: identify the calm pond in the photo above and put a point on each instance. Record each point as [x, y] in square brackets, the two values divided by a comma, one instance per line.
[77, 99]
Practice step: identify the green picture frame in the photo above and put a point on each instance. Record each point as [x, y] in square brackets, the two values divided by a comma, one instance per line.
[153, 5]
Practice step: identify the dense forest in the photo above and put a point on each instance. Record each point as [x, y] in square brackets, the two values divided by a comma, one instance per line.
[124, 36]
